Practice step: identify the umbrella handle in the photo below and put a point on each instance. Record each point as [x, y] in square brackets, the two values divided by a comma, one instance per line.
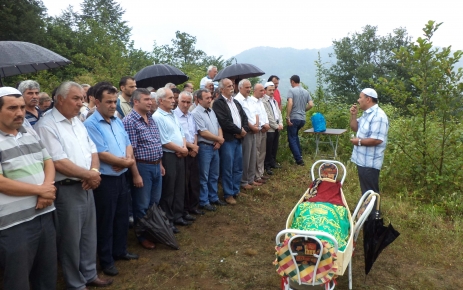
[378, 199]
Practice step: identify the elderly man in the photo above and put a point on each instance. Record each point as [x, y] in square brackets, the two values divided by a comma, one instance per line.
[111, 197]
[234, 124]
[44, 101]
[209, 140]
[276, 94]
[28, 237]
[187, 122]
[261, 136]
[147, 150]
[154, 105]
[174, 150]
[249, 141]
[209, 86]
[91, 106]
[127, 85]
[211, 73]
[299, 102]
[370, 141]
[170, 86]
[275, 121]
[77, 173]
[30, 90]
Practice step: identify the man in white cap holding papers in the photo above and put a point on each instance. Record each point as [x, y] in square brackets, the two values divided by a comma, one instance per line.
[370, 141]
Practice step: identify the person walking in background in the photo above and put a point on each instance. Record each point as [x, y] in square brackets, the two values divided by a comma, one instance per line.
[112, 196]
[77, 173]
[147, 149]
[299, 102]
[234, 124]
[370, 140]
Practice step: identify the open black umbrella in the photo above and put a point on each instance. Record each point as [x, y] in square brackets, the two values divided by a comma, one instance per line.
[156, 227]
[159, 75]
[239, 71]
[18, 57]
[376, 237]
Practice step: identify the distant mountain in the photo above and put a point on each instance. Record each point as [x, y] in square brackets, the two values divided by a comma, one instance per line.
[285, 62]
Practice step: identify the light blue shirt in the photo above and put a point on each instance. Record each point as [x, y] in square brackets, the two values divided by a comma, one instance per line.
[169, 128]
[188, 124]
[372, 124]
[108, 137]
[205, 120]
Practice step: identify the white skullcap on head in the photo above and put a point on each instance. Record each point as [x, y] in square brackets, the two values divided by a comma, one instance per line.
[9, 91]
[267, 84]
[370, 92]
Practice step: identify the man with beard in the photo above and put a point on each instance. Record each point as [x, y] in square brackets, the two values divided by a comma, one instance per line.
[127, 85]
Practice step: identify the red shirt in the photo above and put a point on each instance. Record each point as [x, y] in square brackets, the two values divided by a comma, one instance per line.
[277, 97]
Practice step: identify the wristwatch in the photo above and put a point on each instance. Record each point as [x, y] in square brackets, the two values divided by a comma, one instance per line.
[360, 142]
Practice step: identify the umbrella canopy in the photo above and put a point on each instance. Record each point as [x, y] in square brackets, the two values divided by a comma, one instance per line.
[18, 57]
[376, 237]
[156, 227]
[159, 75]
[239, 71]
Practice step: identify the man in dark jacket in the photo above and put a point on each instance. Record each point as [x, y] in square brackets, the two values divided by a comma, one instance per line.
[234, 124]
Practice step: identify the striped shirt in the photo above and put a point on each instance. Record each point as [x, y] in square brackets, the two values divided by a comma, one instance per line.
[22, 159]
[145, 138]
[372, 124]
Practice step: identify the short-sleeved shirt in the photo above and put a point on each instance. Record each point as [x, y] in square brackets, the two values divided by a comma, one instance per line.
[203, 81]
[249, 107]
[188, 124]
[300, 98]
[169, 129]
[66, 139]
[22, 159]
[205, 120]
[144, 137]
[108, 137]
[263, 118]
[372, 124]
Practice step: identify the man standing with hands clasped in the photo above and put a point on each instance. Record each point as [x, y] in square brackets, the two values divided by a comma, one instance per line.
[370, 141]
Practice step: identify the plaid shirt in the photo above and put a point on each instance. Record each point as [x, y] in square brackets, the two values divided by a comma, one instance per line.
[145, 138]
[372, 124]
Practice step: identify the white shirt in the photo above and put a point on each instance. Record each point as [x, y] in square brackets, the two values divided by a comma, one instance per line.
[249, 107]
[263, 118]
[234, 111]
[66, 139]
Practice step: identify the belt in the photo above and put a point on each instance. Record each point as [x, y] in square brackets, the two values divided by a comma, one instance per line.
[202, 142]
[148, 162]
[68, 181]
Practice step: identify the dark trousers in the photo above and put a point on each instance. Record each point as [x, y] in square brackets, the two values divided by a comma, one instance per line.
[173, 186]
[191, 183]
[369, 179]
[112, 218]
[28, 254]
[272, 148]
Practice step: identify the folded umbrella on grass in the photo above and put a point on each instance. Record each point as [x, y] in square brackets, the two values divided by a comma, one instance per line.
[156, 227]
[376, 237]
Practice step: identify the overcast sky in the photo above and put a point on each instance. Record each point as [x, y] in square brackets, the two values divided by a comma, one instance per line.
[230, 27]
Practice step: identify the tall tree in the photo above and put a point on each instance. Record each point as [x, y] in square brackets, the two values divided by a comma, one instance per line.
[363, 56]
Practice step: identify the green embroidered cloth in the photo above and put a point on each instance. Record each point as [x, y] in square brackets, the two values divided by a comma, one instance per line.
[324, 217]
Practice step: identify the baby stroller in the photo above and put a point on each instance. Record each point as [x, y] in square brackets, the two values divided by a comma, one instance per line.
[317, 245]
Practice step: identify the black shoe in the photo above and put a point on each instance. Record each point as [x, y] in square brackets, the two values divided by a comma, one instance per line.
[300, 163]
[175, 230]
[196, 212]
[188, 217]
[128, 256]
[208, 207]
[219, 203]
[182, 222]
[269, 172]
[276, 166]
[111, 271]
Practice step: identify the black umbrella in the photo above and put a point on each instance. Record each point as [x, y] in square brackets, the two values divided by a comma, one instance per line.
[376, 237]
[156, 227]
[159, 75]
[239, 71]
[18, 57]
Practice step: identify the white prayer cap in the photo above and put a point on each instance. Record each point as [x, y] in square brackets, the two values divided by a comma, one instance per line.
[370, 92]
[267, 84]
[9, 91]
